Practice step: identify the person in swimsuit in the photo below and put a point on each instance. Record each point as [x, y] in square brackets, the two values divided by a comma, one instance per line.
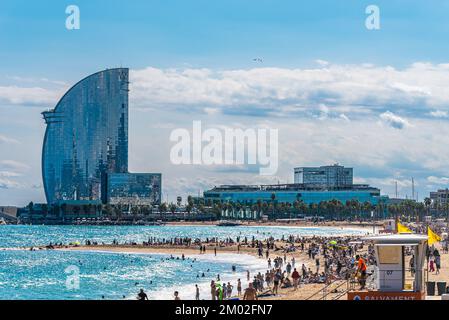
[250, 293]
[142, 295]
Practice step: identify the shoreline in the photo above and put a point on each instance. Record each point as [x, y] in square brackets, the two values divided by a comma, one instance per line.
[304, 292]
[244, 223]
[187, 290]
[345, 224]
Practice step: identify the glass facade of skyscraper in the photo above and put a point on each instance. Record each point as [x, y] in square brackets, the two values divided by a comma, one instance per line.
[86, 138]
[134, 188]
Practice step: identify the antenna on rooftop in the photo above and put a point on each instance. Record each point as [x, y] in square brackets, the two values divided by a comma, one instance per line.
[396, 185]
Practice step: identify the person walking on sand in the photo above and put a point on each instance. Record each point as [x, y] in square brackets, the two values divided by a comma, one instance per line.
[277, 279]
[229, 288]
[250, 293]
[438, 263]
[295, 277]
[239, 287]
[361, 268]
[197, 292]
[213, 292]
[431, 266]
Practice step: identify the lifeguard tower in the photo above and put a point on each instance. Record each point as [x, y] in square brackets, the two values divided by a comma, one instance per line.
[395, 278]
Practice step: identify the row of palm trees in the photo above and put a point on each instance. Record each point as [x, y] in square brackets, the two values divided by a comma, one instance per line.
[273, 209]
[333, 209]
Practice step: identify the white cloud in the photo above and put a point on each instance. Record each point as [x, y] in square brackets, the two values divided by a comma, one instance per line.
[8, 184]
[32, 96]
[439, 114]
[14, 165]
[8, 174]
[322, 63]
[5, 139]
[212, 111]
[394, 121]
[438, 180]
[353, 87]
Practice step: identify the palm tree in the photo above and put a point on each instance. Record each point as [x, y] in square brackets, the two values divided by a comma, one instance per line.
[86, 209]
[322, 207]
[313, 208]
[273, 197]
[259, 208]
[265, 207]
[427, 204]
[217, 210]
[45, 210]
[56, 210]
[64, 208]
[289, 209]
[135, 212]
[99, 210]
[108, 211]
[230, 208]
[162, 210]
[239, 208]
[30, 207]
[254, 209]
[76, 211]
[172, 207]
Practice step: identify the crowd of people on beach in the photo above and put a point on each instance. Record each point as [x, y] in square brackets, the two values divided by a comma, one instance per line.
[326, 260]
[292, 262]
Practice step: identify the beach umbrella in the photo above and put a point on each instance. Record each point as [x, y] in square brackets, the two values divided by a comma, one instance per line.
[333, 242]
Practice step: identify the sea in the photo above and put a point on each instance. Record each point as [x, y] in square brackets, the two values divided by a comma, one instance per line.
[98, 275]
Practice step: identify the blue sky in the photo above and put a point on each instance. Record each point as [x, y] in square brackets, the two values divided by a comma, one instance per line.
[219, 34]
[389, 81]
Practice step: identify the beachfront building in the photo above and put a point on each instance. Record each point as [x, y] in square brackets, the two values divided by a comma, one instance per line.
[134, 188]
[334, 176]
[85, 146]
[325, 190]
[439, 198]
[290, 193]
[8, 213]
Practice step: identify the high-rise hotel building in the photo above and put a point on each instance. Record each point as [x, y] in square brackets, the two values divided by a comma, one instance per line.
[86, 143]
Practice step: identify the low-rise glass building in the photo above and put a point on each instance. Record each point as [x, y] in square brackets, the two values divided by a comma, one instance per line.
[289, 193]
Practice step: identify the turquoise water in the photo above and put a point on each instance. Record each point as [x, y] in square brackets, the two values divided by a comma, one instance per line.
[43, 274]
[12, 236]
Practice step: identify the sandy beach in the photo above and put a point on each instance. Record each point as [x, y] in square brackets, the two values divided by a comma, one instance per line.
[284, 294]
[311, 291]
[304, 292]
